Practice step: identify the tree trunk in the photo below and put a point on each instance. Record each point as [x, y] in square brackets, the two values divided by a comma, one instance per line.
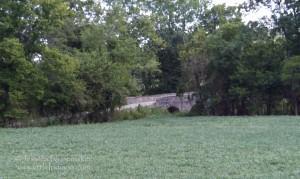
[268, 109]
[296, 107]
[269, 105]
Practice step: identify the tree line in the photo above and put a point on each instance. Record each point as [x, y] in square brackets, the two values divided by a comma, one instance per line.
[246, 69]
[65, 58]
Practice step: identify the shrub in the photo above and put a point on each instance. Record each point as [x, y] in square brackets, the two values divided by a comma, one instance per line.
[138, 113]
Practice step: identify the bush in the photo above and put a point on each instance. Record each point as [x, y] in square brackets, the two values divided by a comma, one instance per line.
[38, 121]
[198, 109]
[138, 113]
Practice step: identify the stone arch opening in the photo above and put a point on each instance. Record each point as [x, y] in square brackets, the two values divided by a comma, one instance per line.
[173, 109]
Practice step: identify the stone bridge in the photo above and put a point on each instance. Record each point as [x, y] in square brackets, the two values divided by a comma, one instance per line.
[183, 103]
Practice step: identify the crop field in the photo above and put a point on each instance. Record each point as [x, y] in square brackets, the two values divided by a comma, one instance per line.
[156, 147]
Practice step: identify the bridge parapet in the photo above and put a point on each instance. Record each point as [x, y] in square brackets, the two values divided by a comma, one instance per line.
[183, 102]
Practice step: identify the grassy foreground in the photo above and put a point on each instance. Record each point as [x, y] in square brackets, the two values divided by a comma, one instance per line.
[157, 147]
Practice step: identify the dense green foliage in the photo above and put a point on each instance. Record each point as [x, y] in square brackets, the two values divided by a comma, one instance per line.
[244, 69]
[291, 78]
[82, 58]
[157, 147]
[21, 83]
[66, 58]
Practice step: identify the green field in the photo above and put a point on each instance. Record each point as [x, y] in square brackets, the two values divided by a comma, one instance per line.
[156, 147]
